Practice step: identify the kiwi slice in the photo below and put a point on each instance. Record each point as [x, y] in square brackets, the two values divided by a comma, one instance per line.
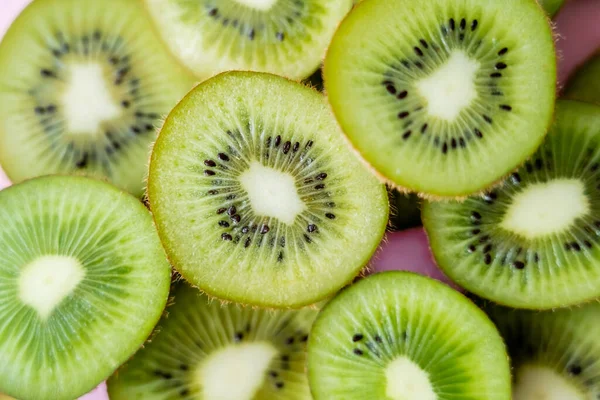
[554, 354]
[283, 37]
[443, 97]
[256, 195]
[534, 241]
[552, 7]
[204, 350]
[405, 210]
[83, 280]
[402, 336]
[584, 84]
[82, 86]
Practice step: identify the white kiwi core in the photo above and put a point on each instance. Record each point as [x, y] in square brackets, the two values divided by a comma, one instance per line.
[87, 102]
[236, 372]
[272, 193]
[262, 5]
[47, 281]
[407, 381]
[542, 383]
[450, 88]
[546, 208]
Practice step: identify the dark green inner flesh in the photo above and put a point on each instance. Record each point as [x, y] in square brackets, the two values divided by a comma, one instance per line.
[405, 211]
[493, 100]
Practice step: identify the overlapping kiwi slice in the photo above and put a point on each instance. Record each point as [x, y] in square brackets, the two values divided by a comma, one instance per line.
[554, 354]
[204, 350]
[83, 280]
[284, 37]
[82, 86]
[399, 336]
[552, 7]
[584, 84]
[533, 242]
[257, 197]
[443, 97]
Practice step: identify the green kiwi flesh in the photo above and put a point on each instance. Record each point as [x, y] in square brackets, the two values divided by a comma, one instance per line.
[400, 336]
[554, 354]
[584, 84]
[532, 242]
[256, 195]
[283, 37]
[552, 7]
[83, 281]
[83, 84]
[205, 350]
[443, 97]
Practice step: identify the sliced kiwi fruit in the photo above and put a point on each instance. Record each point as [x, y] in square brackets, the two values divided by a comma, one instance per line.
[552, 7]
[402, 336]
[206, 351]
[443, 97]
[83, 281]
[83, 84]
[256, 195]
[283, 37]
[584, 84]
[405, 210]
[533, 242]
[554, 354]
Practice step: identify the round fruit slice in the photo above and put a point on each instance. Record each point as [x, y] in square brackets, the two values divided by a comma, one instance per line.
[535, 241]
[206, 351]
[554, 354]
[257, 197]
[283, 37]
[82, 85]
[83, 280]
[584, 85]
[443, 97]
[402, 336]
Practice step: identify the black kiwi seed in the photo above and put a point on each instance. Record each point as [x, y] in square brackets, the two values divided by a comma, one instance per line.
[321, 176]
[184, 392]
[418, 51]
[501, 65]
[403, 114]
[506, 107]
[208, 172]
[519, 264]
[330, 215]
[311, 228]
[474, 25]
[487, 259]
[274, 374]
[358, 352]
[575, 369]
[463, 24]
[238, 336]
[184, 367]
[231, 211]
[264, 229]
[223, 157]
[357, 337]
[378, 339]
[452, 25]
[226, 236]
[82, 163]
[221, 210]
[475, 215]
[471, 249]
[247, 242]
[279, 385]
[503, 51]
[210, 163]
[224, 224]
[406, 134]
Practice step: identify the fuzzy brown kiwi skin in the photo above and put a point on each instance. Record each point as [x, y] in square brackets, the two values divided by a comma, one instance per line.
[210, 295]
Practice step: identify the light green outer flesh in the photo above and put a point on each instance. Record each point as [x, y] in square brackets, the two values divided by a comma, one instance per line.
[113, 343]
[20, 56]
[267, 285]
[568, 287]
[327, 349]
[349, 52]
[584, 84]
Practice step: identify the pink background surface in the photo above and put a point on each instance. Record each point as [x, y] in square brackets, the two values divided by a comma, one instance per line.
[578, 30]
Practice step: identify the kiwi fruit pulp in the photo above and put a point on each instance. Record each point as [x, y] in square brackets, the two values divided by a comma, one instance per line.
[534, 241]
[83, 281]
[283, 37]
[443, 97]
[204, 350]
[584, 84]
[402, 336]
[83, 84]
[257, 197]
[552, 7]
[554, 354]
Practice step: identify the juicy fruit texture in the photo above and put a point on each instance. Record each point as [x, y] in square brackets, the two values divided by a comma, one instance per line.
[82, 86]
[204, 350]
[533, 242]
[554, 354]
[584, 85]
[283, 37]
[552, 6]
[257, 197]
[402, 336]
[83, 280]
[443, 97]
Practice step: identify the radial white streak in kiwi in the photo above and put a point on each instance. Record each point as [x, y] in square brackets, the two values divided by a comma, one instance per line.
[47, 281]
[236, 372]
[262, 5]
[537, 382]
[545, 208]
[451, 87]
[272, 193]
[407, 381]
[87, 101]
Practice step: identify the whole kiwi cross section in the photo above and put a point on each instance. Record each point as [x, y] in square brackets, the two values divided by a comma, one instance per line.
[443, 97]
[256, 196]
